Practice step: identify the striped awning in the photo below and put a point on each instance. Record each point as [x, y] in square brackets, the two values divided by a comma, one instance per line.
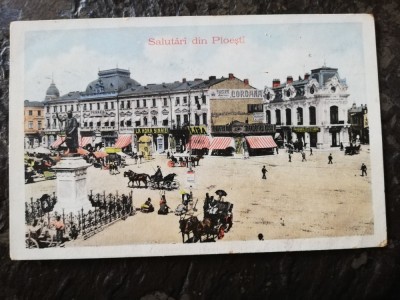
[84, 140]
[219, 143]
[198, 142]
[123, 141]
[57, 142]
[260, 142]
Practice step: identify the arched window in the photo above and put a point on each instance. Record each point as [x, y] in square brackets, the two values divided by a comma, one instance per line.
[278, 117]
[334, 114]
[145, 121]
[155, 121]
[196, 120]
[313, 115]
[299, 113]
[288, 116]
[268, 117]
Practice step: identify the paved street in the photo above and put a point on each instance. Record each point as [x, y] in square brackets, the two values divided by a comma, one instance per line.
[298, 199]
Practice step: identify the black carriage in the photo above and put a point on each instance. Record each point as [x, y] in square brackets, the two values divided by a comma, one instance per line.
[167, 183]
[220, 217]
[351, 150]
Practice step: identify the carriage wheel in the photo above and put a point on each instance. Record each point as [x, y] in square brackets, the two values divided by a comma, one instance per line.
[30, 243]
[174, 185]
[52, 241]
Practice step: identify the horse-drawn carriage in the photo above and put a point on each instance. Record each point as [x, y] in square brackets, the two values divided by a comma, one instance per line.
[218, 219]
[40, 238]
[179, 160]
[168, 182]
[351, 150]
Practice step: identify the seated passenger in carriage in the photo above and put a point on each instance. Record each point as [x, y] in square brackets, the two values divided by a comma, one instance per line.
[35, 230]
[212, 210]
[158, 176]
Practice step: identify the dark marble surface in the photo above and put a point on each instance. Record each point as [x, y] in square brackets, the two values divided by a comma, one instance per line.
[361, 273]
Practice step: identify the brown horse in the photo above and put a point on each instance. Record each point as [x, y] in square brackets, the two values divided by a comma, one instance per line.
[138, 177]
[188, 226]
[205, 228]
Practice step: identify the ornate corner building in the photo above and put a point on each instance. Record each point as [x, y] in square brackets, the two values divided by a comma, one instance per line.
[313, 109]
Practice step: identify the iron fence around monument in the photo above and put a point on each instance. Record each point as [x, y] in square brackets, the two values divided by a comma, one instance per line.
[106, 210]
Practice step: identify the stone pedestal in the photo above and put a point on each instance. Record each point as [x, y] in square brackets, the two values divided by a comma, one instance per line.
[72, 193]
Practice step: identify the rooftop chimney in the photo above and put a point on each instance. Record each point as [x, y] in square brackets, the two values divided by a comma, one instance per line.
[246, 81]
[212, 77]
[276, 83]
[231, 76]
[183, 80]
[289, 79]
[306, 76]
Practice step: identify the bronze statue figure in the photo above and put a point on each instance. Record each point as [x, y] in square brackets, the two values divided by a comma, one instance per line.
[71, 132]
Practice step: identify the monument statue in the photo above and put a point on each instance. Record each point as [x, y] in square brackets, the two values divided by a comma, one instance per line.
[71, 132]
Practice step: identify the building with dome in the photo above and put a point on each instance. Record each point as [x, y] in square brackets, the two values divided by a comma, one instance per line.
[312, 110]
[116, 110]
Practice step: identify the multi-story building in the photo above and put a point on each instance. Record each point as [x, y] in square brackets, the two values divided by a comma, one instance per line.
[311, 110]
[33, 123]
[117, 110]
[359, 128]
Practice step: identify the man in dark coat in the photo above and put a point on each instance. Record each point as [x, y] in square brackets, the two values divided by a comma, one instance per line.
[363, 170]
[264, 171]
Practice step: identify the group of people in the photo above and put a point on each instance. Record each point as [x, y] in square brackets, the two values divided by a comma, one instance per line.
[38, 230]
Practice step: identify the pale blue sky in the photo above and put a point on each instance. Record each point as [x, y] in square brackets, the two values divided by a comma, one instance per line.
[75, 56]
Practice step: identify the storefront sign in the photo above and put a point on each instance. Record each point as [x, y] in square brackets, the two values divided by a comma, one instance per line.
[198, 130]
[306, 129]
[244, 128]
[258, 117]
[236, 94]
[151, 130]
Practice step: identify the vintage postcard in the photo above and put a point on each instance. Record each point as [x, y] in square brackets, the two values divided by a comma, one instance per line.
[194, 135]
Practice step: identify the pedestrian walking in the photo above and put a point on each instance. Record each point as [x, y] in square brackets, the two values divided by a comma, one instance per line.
[277, 150]
[303, 155]
[264, 171]
[363, 169]
[330, 158]
[290, 157]
[311, 151]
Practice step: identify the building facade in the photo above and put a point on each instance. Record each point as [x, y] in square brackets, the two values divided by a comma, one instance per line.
[359, 127]
[311, 110]
[118, 111]
[33, 123]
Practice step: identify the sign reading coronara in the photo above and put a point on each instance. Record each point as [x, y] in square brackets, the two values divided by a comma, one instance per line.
[236, 93]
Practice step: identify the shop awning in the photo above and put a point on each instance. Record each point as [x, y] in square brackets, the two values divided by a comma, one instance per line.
[261, 142]
[84, 140]
[198, 142]
[99, 154]
[123, 141]
[219, 143]
[57, 142]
